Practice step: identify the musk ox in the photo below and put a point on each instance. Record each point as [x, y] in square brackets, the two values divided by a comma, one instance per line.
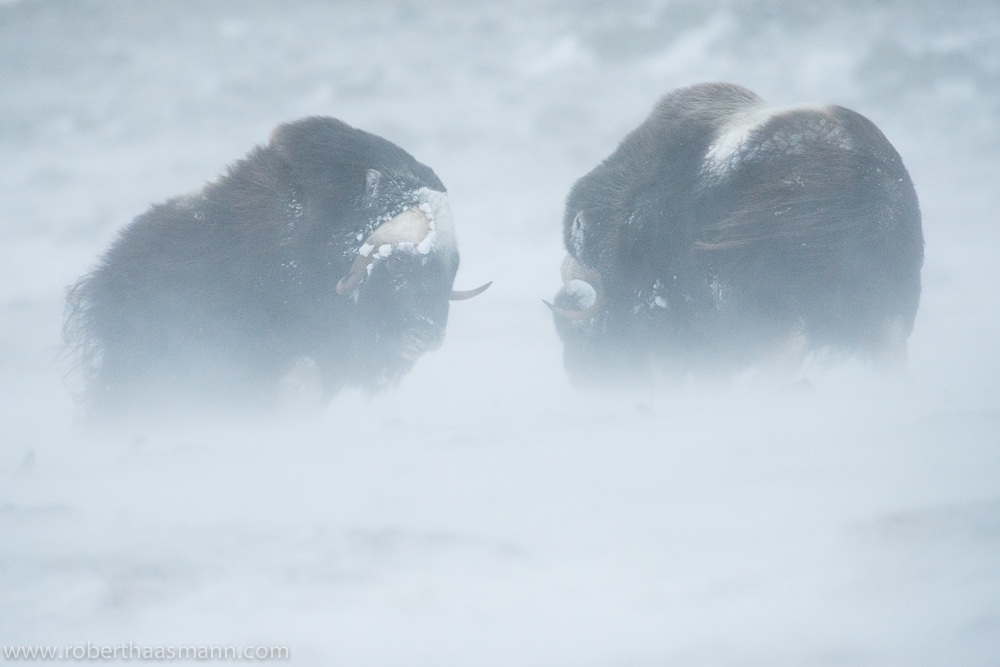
[325, 259]
[724, 234]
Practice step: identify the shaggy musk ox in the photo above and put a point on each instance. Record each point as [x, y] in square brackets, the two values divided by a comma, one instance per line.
[724, 234]
[322, 260]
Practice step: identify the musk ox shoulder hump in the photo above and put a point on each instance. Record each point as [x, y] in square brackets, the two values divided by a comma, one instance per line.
[709, 102]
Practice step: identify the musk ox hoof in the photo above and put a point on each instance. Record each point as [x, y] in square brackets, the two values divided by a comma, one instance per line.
[312, 264]
[723, 226]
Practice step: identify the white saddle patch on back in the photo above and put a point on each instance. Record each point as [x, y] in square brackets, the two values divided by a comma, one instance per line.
[732, 144]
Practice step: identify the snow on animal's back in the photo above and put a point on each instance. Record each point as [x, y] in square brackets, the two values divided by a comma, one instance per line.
[778, 130]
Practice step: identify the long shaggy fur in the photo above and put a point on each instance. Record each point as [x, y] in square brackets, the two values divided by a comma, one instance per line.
[211, 299]
[724, 230]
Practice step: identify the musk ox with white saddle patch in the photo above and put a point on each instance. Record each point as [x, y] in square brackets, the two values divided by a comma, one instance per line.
[324, 259]
[724, 234]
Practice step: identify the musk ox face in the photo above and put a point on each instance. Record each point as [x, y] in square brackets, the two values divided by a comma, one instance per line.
[400, 281]
[723, 233]
[329, 249]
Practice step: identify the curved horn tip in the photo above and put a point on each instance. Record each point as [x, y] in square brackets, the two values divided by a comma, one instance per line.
[457, 295]
[575, 315]
[347, 284]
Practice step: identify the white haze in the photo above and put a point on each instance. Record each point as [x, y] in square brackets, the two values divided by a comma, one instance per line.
[486, 513]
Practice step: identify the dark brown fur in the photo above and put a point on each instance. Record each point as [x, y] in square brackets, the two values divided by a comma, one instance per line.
[209, 299]
[812, 234]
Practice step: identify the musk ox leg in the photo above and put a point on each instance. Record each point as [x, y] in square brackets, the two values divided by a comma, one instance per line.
[300, 389]
[889, 352]
[783, 362]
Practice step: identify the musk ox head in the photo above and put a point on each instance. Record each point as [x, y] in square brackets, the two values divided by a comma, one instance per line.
[724, 233]
[329, 251]
[400, 281]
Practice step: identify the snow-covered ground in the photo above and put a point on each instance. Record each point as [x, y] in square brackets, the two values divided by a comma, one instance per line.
[485, 513]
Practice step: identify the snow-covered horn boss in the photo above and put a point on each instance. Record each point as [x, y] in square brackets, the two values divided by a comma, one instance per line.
[414, 230]
[571, 270]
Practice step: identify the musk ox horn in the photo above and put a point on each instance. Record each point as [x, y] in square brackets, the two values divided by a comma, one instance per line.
[411, 226]
[462, 295]
[572, 269]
